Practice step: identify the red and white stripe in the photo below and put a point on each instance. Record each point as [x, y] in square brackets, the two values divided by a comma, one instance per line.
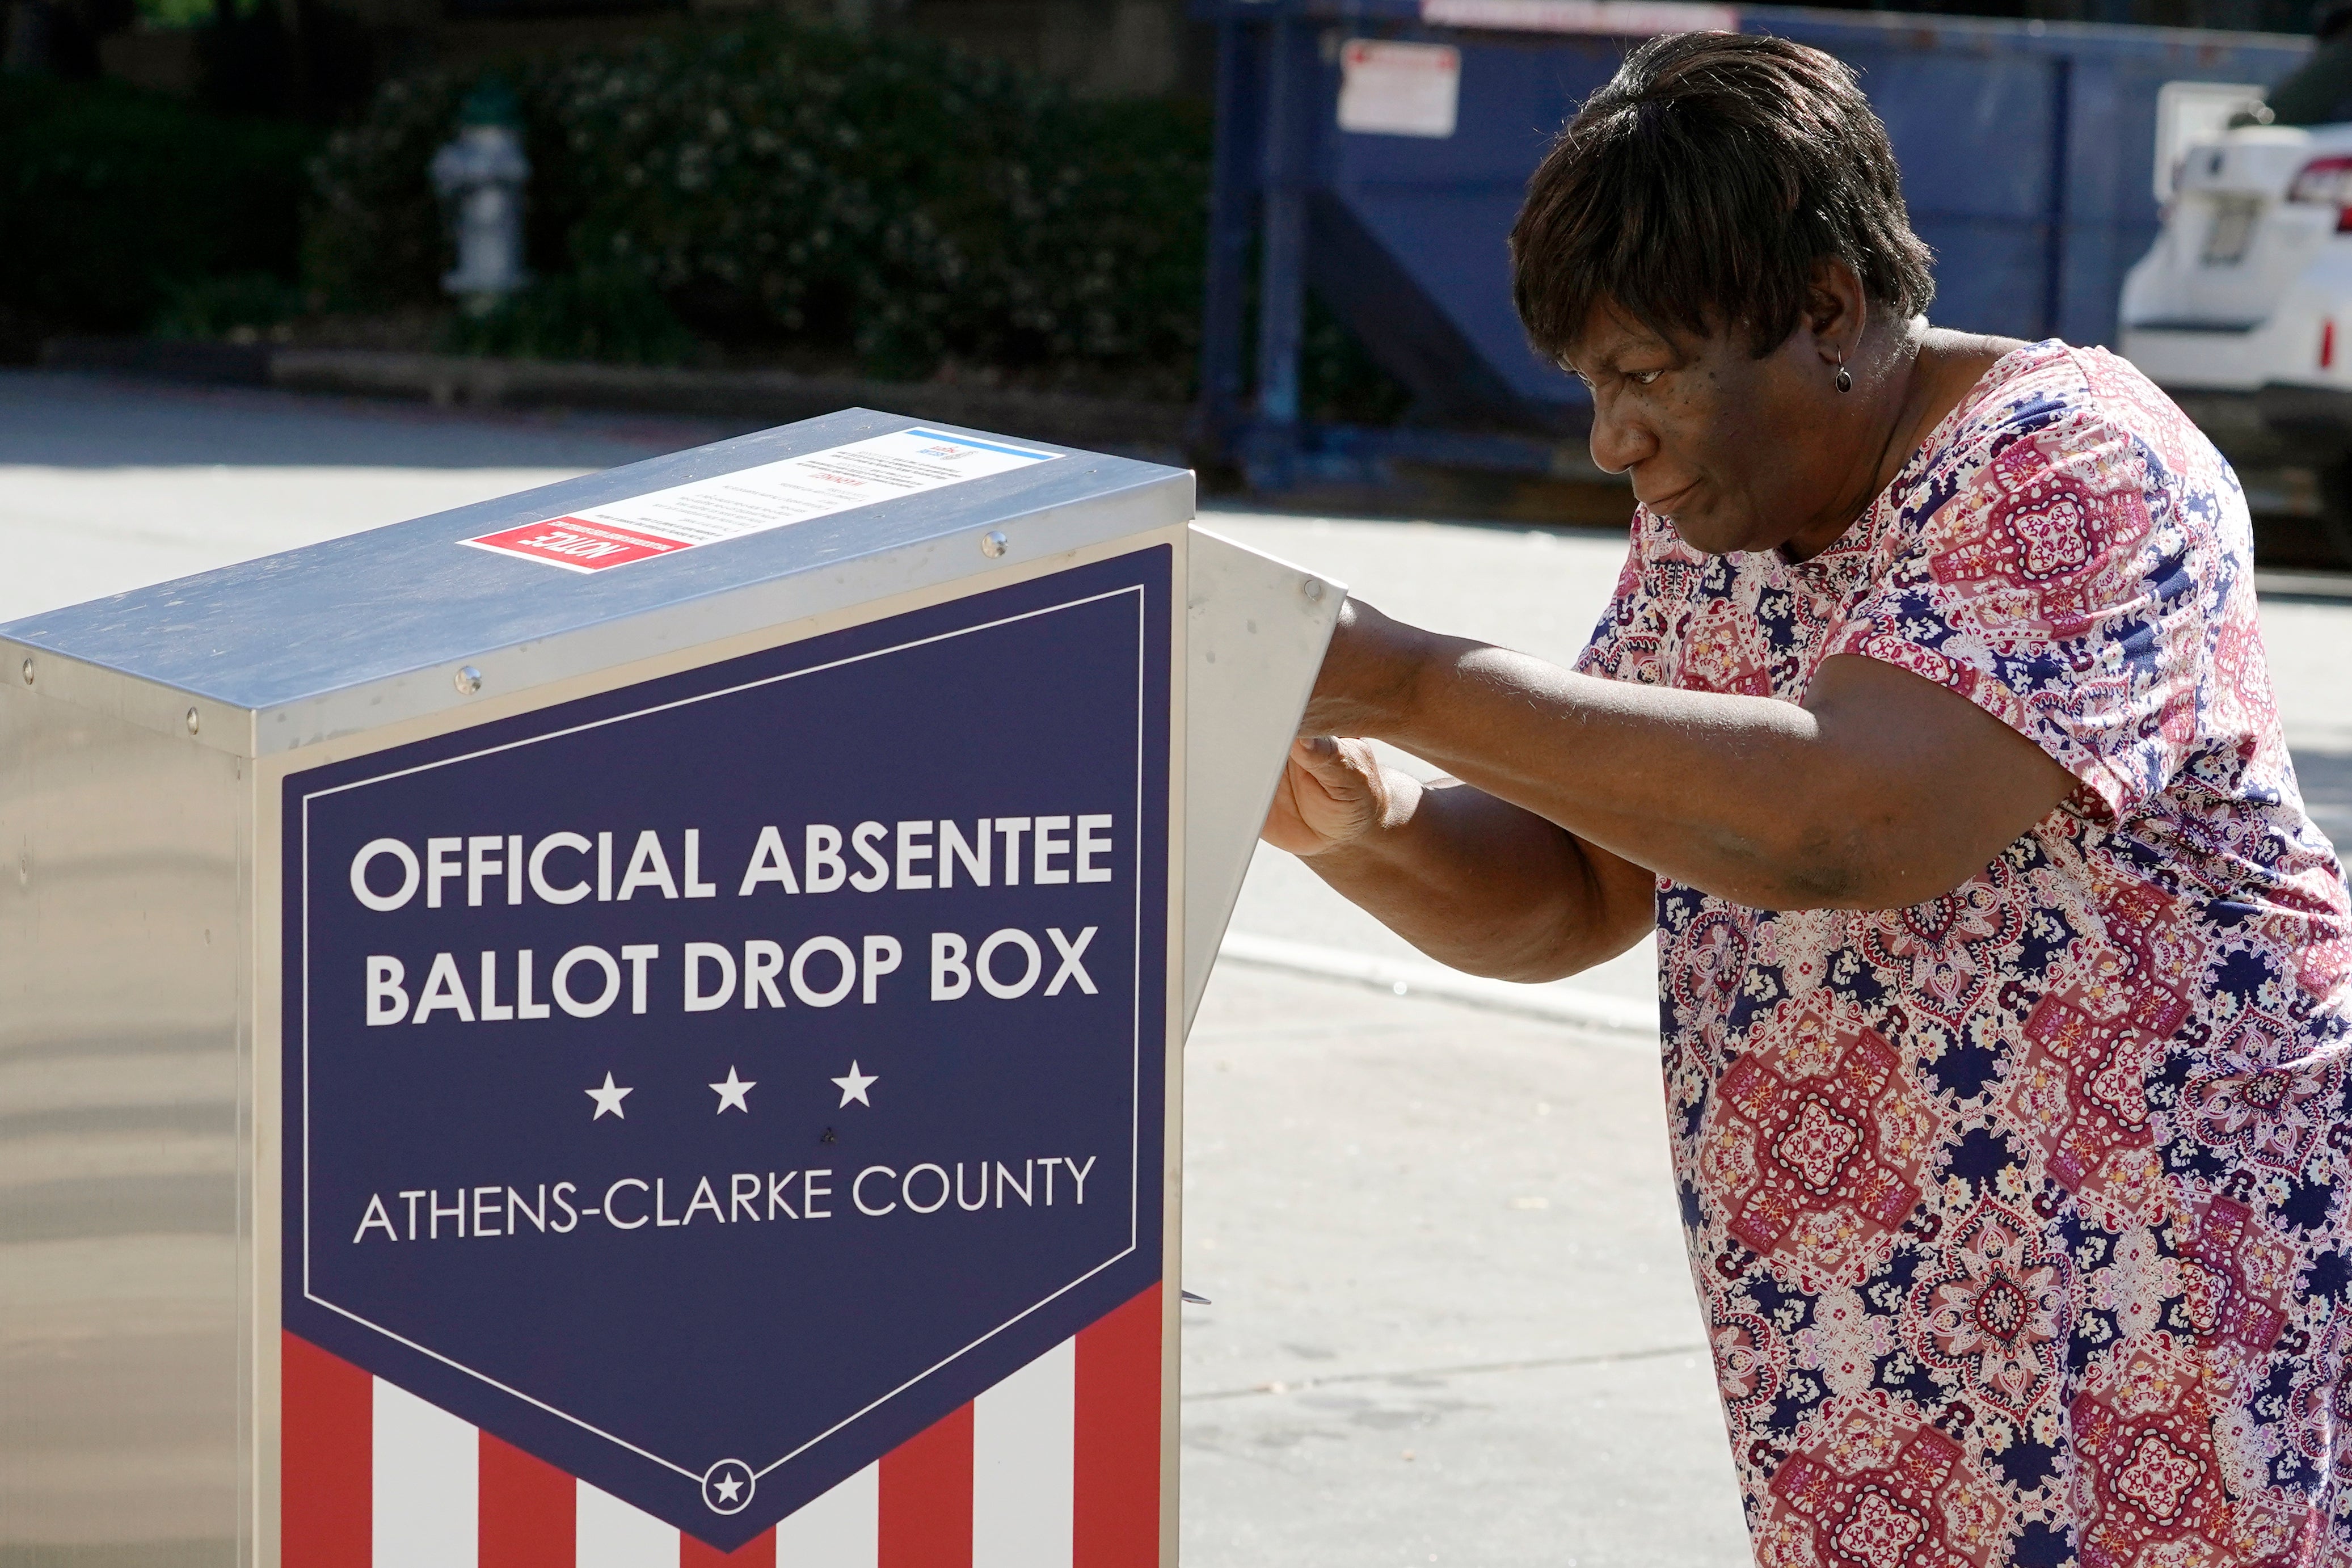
[1056, 1466]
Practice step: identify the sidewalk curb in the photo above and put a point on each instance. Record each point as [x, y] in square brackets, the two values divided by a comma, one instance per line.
[2331, 587]
[1626, 1020]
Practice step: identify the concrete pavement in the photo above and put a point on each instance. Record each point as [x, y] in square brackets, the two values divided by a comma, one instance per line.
[107, 485]
[1450, 1320]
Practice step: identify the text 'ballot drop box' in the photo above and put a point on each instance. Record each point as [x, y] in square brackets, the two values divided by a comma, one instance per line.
[630, 1023]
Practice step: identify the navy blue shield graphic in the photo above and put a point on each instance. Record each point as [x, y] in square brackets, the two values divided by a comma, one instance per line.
[708, 1085]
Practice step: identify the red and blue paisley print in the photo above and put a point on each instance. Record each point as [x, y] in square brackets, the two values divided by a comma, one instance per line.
[2022, 1217]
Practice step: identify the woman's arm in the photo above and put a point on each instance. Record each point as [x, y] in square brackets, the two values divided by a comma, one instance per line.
[1881, 790]
[1474, 881]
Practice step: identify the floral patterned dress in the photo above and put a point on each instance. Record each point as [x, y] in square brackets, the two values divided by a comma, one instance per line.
[2022, 1217]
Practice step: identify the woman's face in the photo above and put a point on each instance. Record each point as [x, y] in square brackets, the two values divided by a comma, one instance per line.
[1737, 453]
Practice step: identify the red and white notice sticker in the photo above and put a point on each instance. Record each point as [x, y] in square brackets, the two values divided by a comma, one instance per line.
[753, 501]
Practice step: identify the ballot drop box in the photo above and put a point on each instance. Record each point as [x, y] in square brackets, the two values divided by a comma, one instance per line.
[636, 1023]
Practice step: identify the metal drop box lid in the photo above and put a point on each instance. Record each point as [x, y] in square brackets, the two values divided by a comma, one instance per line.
[292, 649]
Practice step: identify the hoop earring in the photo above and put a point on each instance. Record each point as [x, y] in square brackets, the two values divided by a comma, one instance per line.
[1844, 377]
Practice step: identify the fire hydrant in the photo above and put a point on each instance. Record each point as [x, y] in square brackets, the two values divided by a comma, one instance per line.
[480, 177]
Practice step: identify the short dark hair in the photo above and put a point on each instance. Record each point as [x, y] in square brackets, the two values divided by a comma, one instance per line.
[1700, 187]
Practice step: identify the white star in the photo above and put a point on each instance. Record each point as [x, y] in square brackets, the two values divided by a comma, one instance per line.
[730, 1486]
[731, 1092]
[853, 1086]
[608, 1099]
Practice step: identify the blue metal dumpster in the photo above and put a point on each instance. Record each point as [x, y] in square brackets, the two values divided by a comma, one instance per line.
[2027, 152]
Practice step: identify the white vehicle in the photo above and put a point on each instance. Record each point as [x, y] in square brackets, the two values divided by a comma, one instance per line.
[2244, 308]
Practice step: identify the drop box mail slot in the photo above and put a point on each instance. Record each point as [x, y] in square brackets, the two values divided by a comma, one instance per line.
[635, 1020]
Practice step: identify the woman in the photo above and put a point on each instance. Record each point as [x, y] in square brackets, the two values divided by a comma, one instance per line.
[2004, 979]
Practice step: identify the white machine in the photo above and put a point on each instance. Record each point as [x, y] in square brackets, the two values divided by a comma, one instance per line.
[2243, 306]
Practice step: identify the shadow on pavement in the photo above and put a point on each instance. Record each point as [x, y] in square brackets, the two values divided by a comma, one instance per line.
[60, 420]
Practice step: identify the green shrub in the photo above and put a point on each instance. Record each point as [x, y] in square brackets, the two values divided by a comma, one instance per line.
[113, 198]
[373, 236]
[591, 314]
[219, 307]
[788, 184]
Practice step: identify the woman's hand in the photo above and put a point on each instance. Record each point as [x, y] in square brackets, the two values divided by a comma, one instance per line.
[1471, 881]
[1333, 793]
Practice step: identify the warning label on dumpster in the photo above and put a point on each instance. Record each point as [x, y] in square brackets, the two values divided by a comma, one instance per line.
[708, 1086]
[753, 501]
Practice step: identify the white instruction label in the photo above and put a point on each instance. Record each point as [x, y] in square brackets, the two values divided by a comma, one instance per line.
[753, 501]
[1399, 90]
